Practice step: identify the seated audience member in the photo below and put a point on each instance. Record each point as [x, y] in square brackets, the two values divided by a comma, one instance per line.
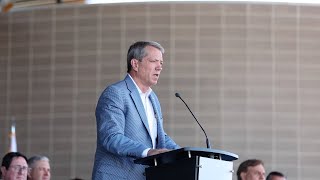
[275, 175]
[39, 168]
[251, 169]
[14, 166]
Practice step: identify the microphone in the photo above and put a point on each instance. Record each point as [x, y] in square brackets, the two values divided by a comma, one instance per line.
[207, 140]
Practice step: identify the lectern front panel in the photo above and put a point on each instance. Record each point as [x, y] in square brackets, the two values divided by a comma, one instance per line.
[214, 169]
[185, 169]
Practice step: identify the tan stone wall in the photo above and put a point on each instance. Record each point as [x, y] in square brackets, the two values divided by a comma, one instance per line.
[250, 72]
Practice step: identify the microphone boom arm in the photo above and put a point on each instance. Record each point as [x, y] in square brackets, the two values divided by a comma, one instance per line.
[207, 140]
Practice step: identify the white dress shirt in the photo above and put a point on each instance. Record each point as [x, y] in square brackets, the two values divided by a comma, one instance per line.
[152, 121]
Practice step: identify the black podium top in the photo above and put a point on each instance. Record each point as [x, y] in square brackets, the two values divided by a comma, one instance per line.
[186, 152]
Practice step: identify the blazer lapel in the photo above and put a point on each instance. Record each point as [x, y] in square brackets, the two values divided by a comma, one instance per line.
[134, 93]
[160, 137]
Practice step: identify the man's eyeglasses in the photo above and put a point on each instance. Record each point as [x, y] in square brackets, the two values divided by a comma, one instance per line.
[18, 168]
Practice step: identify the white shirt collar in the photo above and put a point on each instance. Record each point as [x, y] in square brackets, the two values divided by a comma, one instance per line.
[139, 90]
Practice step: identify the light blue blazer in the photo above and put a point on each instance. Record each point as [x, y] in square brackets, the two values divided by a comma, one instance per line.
[123, 132]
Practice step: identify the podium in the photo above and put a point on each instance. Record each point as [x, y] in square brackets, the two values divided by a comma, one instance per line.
[189, 163]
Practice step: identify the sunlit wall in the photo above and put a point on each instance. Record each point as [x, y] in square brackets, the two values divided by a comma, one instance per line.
[250, 72]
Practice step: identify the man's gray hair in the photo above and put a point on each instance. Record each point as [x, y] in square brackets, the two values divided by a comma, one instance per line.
[32, 160]
[137, 51]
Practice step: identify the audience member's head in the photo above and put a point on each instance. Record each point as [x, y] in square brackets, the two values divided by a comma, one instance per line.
[39, 168]
[251, 169]
[14, 166]
[275, 175]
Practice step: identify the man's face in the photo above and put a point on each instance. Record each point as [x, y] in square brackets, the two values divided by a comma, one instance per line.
[17, 170]
[148, 70]
[40, 171]
[254, 173]
[277, 178]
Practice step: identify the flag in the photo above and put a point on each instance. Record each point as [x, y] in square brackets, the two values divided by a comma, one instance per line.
[6, 5]
[12, 136]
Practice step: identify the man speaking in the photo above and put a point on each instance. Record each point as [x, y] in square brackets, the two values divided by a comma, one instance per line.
[129, 118]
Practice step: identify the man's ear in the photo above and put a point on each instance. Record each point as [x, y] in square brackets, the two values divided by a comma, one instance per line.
[134, 64]
[243, 175]
[29, 172]
[3, 170]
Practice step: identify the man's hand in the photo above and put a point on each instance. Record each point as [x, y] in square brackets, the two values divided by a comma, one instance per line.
[156, 151]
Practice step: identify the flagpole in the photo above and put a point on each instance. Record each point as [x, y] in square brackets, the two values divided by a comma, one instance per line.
[12, 136]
